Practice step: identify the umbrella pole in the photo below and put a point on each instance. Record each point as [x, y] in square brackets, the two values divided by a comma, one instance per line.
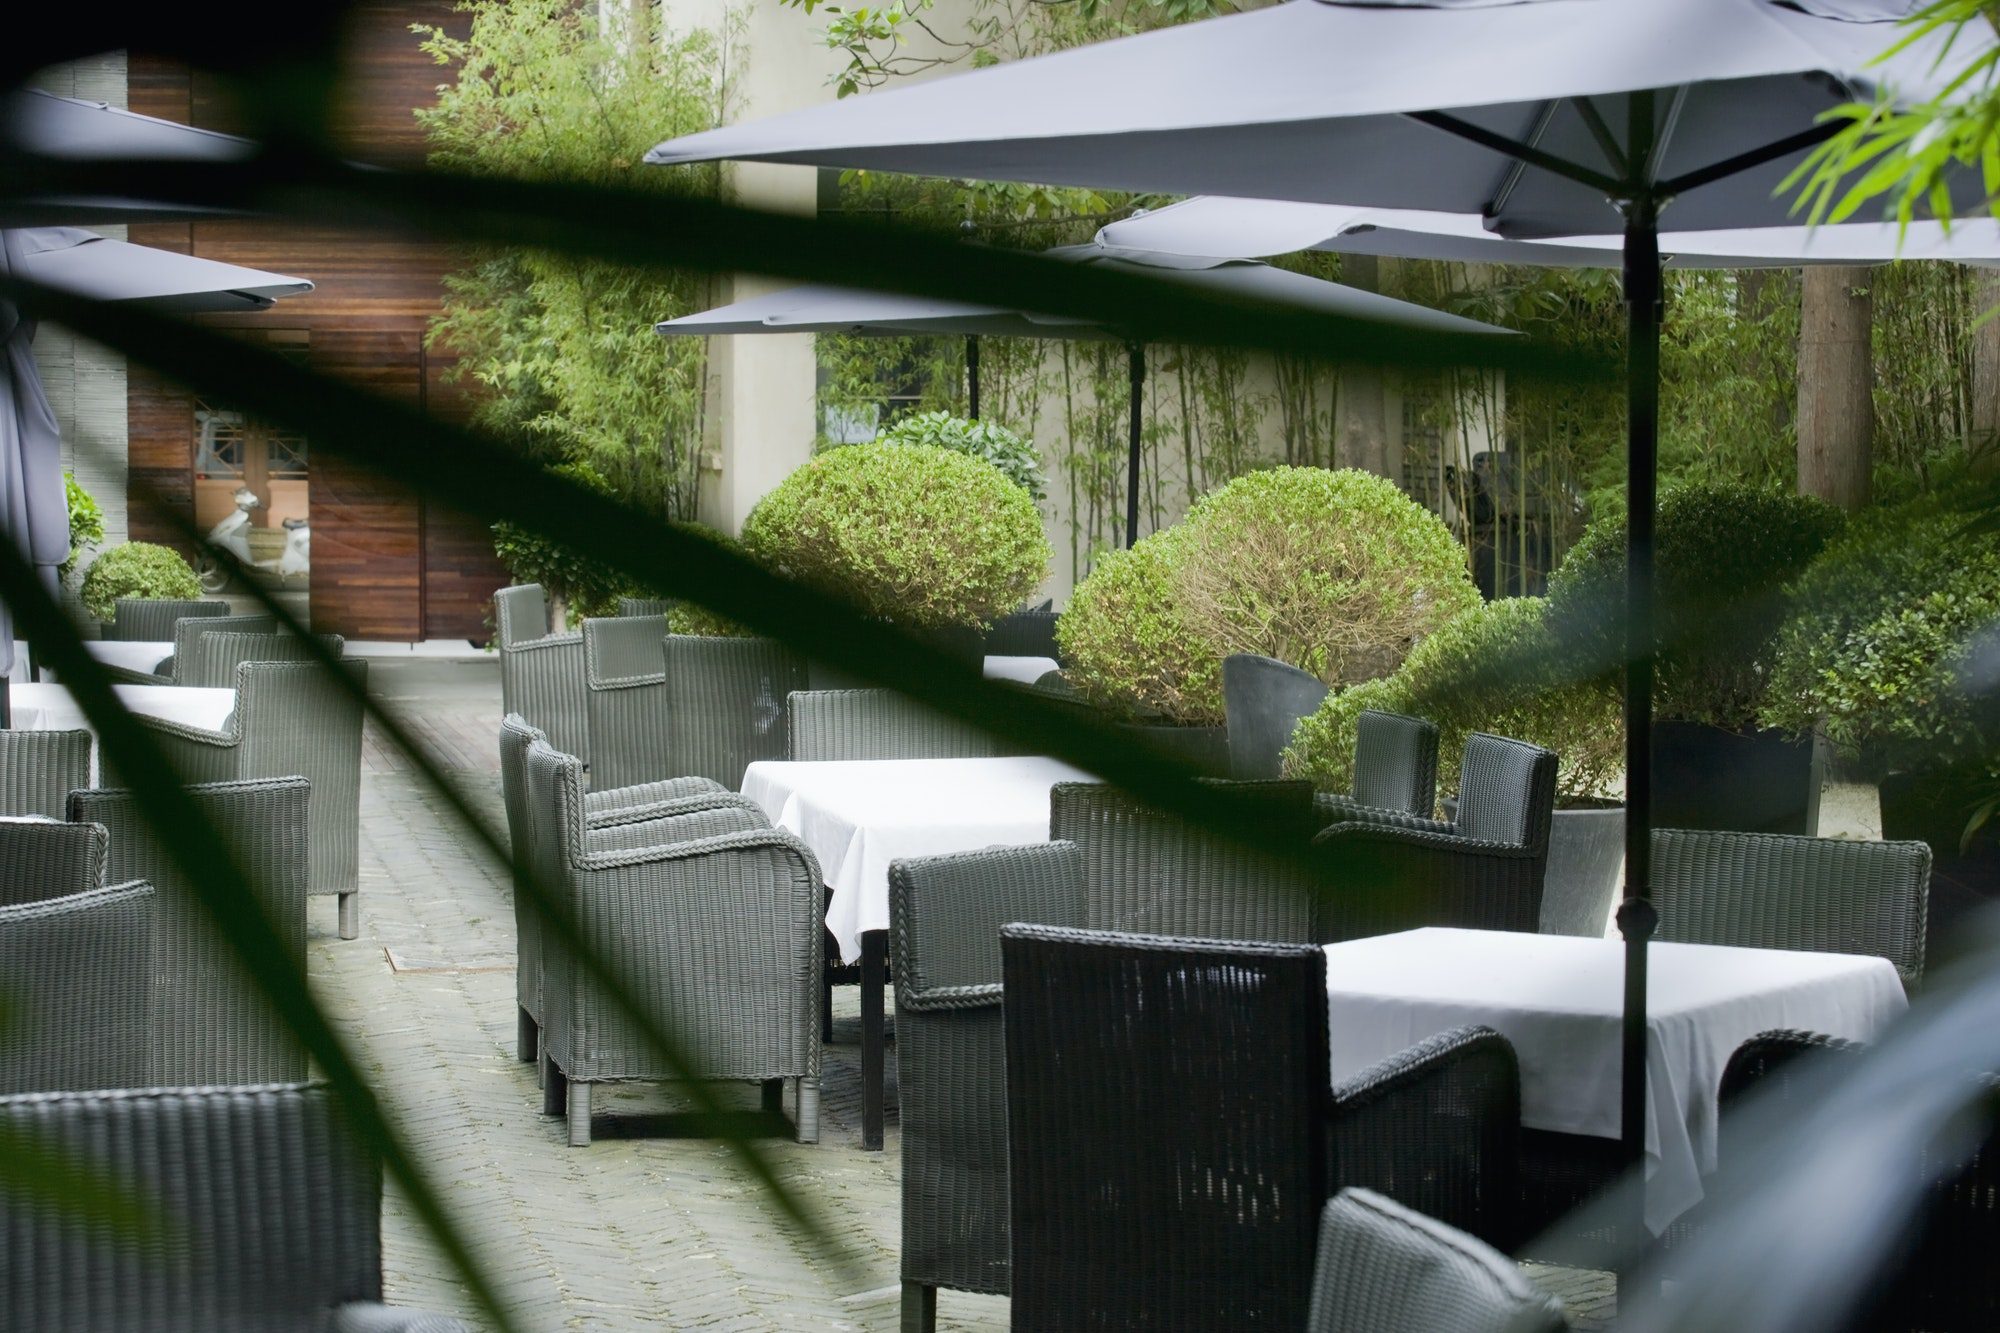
[1136, 352]
[972, 376]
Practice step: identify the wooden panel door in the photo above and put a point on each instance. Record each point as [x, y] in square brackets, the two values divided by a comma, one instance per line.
[367, 532]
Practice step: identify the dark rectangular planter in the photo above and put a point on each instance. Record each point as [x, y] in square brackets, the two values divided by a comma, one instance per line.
[965, 643]
[1750, 782]
[1207, 748]
[1932, 808]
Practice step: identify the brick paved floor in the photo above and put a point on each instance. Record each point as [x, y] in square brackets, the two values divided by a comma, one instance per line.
[650, 1227]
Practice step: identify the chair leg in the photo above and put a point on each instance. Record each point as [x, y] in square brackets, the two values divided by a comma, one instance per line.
[527, 1035]
[805, 1095]
[579, 1114]
[774, 1096]
[555, 1087]
[350, 914]
[919, 1308]
[826, 1012]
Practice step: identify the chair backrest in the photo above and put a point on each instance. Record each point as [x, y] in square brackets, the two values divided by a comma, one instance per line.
[1384, 1268]
[646, 606]
[1506, 791]
[1395, 762]
[624, 701]
[39, 769]
[189, 633]
[42, 858]
[270, 1212]
[212, 659]
[1029, 632]
[1263, 700]
[1167, 1110]
[945, 914]
[516, 735]
[80, 996]
[726, 704]
[521, 614]
[151, 620]
[1779, 891]
[880, 724]
[297, 720]
[214, 1024]
[1149, 871]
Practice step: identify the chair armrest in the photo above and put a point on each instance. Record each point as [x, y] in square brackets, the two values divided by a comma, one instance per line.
[1381, 879]
[548, 642]
[644, 793]
[1436, 1127]
[945, 914]
[697, 821]
[1334, 808]
[1383, 834]
[370, 1317]
[668, 809]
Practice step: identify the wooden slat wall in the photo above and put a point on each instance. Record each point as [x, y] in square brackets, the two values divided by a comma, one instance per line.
[385, 564]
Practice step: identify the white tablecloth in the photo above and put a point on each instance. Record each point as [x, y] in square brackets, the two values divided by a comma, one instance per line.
[50, 708]
[1026, 670]
[133, 655]
[1558, 1000]
[859, 815]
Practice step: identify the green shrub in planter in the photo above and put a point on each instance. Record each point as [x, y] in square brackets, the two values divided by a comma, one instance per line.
[1335, 572]
[996, 444]
[136, 569]
[686, 617]
[86, 524]
[1878, 638]
[1491, 669]
[576, 584]
[1724, 555]
[915, 534]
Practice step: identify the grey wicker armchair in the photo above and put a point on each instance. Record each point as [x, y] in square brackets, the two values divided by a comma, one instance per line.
[143, 620]
[42, 858]
[185, 633]
[1395, 768]
[1384, 1268]
[1387, 871]
[1152, 872]
[291, 719]
[211, 659]
[945, 914]
[1029, 632]
[39, 769]
[646, 606]
[601, 808]
[1263, 700]
[79, 977]
[541, 674]
[717, 920]
[1777, 891]
[881, 724]
[271, 1215]
[213, 1025]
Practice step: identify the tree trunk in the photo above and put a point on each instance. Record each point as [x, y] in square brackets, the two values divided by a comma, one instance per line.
[1361, 412]
[1984, 443]
[1836, 385]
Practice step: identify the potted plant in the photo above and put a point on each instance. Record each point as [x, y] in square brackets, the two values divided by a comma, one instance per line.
[86, 525]
[576, 587]
[1725, 554]
[138, 570]
[1881, 653]
[1336, 572]
[1495, 669]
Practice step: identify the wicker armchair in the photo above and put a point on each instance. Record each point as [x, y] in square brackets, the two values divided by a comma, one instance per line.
[1172, 1135]
[1029, 632]
[1387, 871]
[186, 633]
[212, 659]
[541, 674]
[140, 620]
[601, 808]
[39, 769]
[1263, 700]
[1384, 1268]
[1395, 769]
[1148, 871]
[213, 1025]
[79, 978]
[291, 719]
[880, 724]
[271, 1212]
[646, 606]
[43, 858]
[1775, 891]
[945, 914]
[717, 922]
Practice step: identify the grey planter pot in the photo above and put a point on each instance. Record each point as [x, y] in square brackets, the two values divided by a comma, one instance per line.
[1586, 856]
[965, 644]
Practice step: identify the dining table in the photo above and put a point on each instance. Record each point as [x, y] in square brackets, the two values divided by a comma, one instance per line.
[44, 706]
[1559, 1000]
[856, 816]
[130, 654]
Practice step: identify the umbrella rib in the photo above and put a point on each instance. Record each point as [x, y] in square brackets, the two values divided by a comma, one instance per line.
[1514, 148]
[1516, 166]
[1755, 157]
[1594, 121]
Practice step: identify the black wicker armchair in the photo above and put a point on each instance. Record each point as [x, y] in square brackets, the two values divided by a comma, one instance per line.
[1395, 768]
[1029, 632]
[880, 724]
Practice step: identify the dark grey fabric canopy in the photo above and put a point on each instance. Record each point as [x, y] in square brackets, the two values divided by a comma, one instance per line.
[33, 121]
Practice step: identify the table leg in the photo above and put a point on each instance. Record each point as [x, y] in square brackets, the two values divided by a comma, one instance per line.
[874, 974]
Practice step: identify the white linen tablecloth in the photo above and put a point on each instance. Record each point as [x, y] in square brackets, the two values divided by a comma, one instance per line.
[859, 815]
[131, 654]
[1558, 999]
[1026, 670]
[44, 707]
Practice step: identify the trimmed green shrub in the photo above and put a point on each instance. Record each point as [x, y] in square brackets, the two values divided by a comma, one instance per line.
[1490, 669]
[136, 569]
[686, 617]
[996, 444]
[914, 534]
[1878, 638]
[1336, 572]
[86, 525]
[1724, 555]
[577, 585]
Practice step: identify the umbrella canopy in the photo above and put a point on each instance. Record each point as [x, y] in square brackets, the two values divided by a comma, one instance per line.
[82, 263]
[1263, 227]
[33, 121]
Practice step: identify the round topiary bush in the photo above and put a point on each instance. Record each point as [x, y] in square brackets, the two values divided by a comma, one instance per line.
[914, 534]
[86, 524]
[1493, 669]
[996, 444]
[1723, 555]
[1336, 572]
[136, 569]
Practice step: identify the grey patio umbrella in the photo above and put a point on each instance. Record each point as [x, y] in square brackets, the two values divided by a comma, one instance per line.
[1542, 117]
[45, 124]
[816, 309]
[34, 509]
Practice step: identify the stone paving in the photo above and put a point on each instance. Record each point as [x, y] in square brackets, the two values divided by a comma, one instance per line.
[651, 1227]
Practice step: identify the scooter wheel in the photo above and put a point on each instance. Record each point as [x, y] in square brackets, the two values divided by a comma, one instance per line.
[214, 578]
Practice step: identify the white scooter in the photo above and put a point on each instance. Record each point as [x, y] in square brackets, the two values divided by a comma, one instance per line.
[232, 535]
